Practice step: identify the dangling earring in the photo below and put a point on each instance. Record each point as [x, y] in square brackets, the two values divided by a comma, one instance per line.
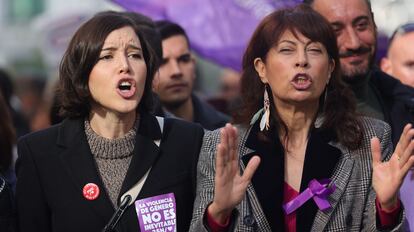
[264, 122]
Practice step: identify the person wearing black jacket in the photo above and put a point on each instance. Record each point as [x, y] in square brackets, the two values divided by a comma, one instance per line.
[77, 175]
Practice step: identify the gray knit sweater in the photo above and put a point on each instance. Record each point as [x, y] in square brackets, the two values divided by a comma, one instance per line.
[112, 157]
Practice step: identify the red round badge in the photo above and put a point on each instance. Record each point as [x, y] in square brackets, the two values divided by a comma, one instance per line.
[91, 191]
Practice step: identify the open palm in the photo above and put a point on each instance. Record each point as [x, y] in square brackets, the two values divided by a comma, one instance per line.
[230, 186]
[388, 176]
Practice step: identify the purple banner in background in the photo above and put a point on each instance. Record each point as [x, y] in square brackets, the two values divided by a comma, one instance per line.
[219, 30]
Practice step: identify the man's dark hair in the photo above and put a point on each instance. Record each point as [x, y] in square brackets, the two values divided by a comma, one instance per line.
[168, 29]
[310, 2]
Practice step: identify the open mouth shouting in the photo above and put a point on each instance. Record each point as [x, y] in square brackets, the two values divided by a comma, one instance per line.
[301, 81]
[126, 88]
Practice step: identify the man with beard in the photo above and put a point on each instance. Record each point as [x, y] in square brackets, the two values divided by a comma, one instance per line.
[174, 82]
[378, 94]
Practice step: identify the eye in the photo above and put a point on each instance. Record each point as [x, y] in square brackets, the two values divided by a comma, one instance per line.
[286, 50]
[362, 25]
[337, 29]
[315, 50]
[164, 61]
[184, 58]
[106, 57]
[135, 55]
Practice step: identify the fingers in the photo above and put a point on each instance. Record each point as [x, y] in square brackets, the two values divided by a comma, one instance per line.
[375, 150]
[226, 149]
[407, 166]
[251, 169]
[220, 163]
[408, 152]
[405, 139]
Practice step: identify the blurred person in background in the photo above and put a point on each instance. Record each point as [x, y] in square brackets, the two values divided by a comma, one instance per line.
[175, 81]
[20, 122]
[399, 61]
[31, 89]
[73, 176]
[227, 98]
[7, 141]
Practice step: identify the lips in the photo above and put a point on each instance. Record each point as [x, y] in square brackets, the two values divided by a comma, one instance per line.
[126, 88]
[301, 81]
[177, 86]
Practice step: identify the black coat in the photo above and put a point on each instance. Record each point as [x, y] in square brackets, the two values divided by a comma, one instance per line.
[7, 213]
[55, 164]
[396, 99]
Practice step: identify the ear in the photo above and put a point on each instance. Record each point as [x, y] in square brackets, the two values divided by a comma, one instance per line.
[386, 66]
[331, 68]
[156, 81]
[260, 68]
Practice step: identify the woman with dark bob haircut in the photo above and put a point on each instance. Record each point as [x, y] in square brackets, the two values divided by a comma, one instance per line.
[299, 158]
[86, 173]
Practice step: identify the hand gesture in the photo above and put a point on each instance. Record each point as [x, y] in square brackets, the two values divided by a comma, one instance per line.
[388, 176]
[230, 186]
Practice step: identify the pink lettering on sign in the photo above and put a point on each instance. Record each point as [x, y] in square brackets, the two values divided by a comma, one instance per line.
[157, 214]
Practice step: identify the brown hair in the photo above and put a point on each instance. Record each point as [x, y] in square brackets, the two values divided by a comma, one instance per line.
[83, 53]
[7, 136]
[339, 108]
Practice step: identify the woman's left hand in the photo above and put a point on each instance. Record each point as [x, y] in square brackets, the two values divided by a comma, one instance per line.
[388, 176]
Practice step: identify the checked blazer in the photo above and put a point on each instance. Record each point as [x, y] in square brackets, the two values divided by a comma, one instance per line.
[353, 202]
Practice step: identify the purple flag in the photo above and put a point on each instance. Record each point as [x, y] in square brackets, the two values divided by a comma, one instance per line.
[219, 30]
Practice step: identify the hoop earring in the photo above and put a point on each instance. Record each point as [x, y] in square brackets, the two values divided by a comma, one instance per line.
[264, 122]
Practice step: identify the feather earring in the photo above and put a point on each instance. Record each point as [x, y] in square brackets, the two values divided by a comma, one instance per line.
[264, 122]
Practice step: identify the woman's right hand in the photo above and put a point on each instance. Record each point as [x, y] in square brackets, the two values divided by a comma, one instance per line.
[230, 186]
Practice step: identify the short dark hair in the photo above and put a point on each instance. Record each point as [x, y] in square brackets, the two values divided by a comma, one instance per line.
[83, 53]
[310, 2]
[168, 29]
[339, 108]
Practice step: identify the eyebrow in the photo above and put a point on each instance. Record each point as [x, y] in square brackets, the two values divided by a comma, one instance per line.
[360, 18]
[291, 42]
[134, 47]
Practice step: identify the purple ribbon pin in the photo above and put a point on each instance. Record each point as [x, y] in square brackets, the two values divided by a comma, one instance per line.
[319, 191]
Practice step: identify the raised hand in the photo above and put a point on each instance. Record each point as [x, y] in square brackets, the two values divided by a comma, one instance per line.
[230, 186]
[388, 176]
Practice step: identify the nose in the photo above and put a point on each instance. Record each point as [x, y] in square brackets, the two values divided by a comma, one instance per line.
[351, 39]
[302, 60]
[124, 65]
[175, 68]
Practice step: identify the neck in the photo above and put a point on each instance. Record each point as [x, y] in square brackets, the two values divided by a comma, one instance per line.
[298, 120]
[184, 111]
[110, 125]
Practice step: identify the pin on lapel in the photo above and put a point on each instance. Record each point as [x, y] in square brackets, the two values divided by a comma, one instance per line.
[90, 191]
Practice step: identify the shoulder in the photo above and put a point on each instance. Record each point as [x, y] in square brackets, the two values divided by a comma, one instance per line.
[206, 115]
[41, 136]
[374, 127]
[181, 125]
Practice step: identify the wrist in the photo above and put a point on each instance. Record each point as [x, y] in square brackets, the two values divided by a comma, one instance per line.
[389, 205]
[219, 215]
